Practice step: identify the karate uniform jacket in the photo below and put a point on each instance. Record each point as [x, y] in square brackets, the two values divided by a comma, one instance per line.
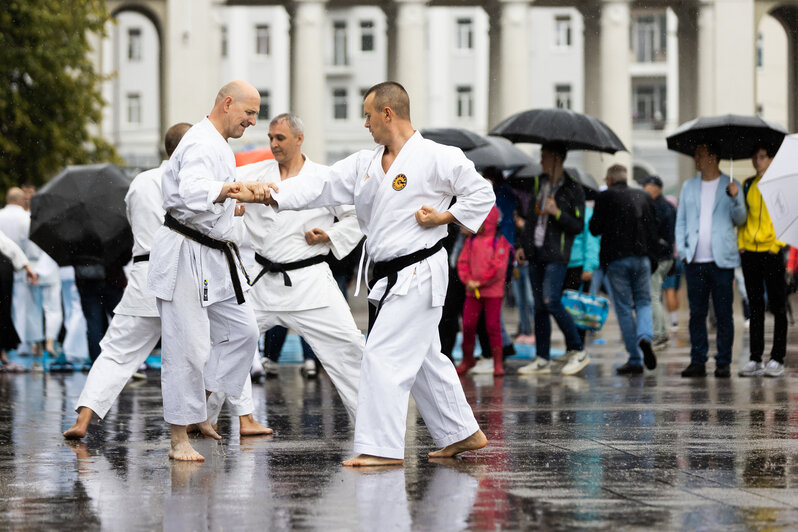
[193, 179]
[423, 173]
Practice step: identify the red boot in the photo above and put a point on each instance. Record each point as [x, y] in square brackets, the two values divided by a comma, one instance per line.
[468, 361]
[498, 366]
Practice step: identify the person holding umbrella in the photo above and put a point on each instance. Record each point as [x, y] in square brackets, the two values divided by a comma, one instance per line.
[764, 270]
[552, 223]
[710, 208]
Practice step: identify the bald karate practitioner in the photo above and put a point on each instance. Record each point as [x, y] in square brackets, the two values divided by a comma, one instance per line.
[136, 327]
[401, 191]
[194, 271]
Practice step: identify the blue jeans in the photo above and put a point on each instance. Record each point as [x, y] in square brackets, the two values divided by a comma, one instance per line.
[523, 299]
[630, 280]
[705, 280]
[547, 282]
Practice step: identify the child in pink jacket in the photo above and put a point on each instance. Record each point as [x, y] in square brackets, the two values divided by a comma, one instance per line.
[482, 267]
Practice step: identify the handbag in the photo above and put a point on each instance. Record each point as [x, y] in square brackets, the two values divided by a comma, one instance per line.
[588, 312]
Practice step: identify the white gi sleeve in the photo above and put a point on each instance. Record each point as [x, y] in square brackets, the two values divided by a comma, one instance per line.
[10, 249]
[197, 186]
[457, 177]
[324, 187]
[345, 233]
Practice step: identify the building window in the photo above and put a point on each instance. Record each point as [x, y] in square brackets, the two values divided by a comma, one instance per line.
[224, 41]
[562, 96]
[339, 104]
[465, 34]
[366, 35]
[133, 108]
[465, 102]
[562, 31]
[339, 43]
[649, 101]
[759, 50]
[265, 108]
[649, 38]
[262, 40]
[134, 44]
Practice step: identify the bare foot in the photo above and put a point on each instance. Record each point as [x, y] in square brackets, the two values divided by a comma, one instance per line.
[81, 426]
[207, 430]
[367, 460]
[180, 448]
[473, 442]
[250, 427]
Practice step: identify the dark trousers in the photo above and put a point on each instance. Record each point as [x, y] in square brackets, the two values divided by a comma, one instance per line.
[98, 300]
[275, 339]
[449, 325]
[547, 281]
[705, 280]
[766, 271]
[9, 339]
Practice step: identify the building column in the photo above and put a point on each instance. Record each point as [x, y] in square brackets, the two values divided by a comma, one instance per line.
[616, 97]
[592, 162]
[706, 58]
[307, 73]
[509, 60]
[407, 53]
[687, 34]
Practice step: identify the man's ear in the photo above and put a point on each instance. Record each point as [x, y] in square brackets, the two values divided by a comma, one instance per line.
[228, 101]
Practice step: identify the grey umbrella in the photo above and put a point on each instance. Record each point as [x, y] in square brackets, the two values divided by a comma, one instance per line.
[79, 215]
[453, 136]
[734, 136]
[575, 131]
[500, 153]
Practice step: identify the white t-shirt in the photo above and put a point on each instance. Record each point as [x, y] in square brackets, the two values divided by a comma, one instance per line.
[703, 251]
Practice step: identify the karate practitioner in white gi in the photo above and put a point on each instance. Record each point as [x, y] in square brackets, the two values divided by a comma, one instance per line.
[401, 192]
[135, 328]
[312, 304]
[209, 332]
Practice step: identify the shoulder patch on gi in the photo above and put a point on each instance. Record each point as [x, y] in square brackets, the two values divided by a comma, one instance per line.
[399, 182]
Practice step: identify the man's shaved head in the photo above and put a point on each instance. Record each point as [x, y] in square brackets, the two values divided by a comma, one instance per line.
[15, 196]
[173, 136]
[393, 95]
[238, 90]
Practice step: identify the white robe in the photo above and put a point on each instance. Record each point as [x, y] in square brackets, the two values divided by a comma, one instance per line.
[207, 339]
[403, 350]
[13, 252]
[135, 328]
[313, 305]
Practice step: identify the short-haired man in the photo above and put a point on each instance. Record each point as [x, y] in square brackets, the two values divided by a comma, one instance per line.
[553, 220]
[666, 222]
[626, 221]
[762, 258]
[401, 191]
[710, 208]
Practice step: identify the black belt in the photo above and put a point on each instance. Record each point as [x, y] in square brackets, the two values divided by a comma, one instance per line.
[284, 267]
[391, 269]
[141, 258]
[225, 246]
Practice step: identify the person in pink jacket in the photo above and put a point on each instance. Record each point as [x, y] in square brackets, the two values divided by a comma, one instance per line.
[482, 267]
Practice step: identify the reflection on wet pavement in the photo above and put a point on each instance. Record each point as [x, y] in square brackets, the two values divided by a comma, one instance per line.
[593, 451]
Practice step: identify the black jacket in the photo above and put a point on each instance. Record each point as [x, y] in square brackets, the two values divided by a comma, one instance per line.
[560, 232]
[626, 221]
[666, 227]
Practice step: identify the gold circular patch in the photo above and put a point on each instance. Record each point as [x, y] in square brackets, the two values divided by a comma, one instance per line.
[399, 182]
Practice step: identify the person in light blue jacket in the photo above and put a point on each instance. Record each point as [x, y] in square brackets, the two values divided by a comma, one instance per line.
[711, 206]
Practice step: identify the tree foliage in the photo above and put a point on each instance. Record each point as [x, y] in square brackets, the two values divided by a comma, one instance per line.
[49, 89]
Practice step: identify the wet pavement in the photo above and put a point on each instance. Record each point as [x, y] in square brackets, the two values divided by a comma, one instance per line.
[594, 451]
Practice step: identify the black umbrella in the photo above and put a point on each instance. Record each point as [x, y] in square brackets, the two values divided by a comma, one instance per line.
[78, 217]
[576, 131]
[734, 136]
[500, 153]
[452, 136]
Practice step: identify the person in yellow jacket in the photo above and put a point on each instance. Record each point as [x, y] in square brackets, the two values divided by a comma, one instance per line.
[763, 269]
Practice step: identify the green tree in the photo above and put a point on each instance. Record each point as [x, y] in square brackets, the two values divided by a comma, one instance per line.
[49, 90]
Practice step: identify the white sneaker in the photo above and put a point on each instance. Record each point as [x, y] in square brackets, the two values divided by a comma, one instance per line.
[269, 366]
[540, 366]
[774, 369]
[747, 324]
[484, 366]
[309, 368]
[577, 360]
[752, 368]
